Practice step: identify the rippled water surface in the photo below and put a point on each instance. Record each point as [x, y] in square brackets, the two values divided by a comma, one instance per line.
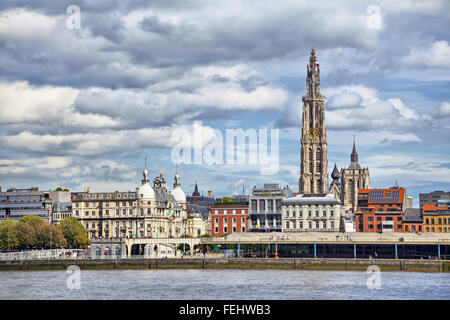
[222, 284]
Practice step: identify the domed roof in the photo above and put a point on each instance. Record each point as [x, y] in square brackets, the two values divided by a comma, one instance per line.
[178, 194]
[146, 192]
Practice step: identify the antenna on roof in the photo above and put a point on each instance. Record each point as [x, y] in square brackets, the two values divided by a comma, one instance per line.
[145, 162]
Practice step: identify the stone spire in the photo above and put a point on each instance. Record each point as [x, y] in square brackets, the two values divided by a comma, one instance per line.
[354, 155]
[196, 193]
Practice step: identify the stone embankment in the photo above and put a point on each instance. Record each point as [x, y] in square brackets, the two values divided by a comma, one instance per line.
[234, 263]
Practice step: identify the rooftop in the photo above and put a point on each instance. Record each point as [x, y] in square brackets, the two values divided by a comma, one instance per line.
[310, 198]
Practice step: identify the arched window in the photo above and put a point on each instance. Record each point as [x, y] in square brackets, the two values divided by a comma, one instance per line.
[311, 157]
[319, 160]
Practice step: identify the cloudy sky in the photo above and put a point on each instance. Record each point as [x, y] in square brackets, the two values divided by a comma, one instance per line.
[84, 106]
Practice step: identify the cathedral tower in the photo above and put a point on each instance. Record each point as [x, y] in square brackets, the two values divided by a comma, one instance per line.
[314, 152]
[353, 178]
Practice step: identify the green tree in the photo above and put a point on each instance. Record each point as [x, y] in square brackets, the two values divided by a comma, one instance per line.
[48, 236]
[8, 235]
[26, 235]
[226, 199]
[74, 232]
[32, 221]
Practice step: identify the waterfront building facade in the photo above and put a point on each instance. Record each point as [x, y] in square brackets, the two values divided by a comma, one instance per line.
[436, 217]
[412, 220]
[17, 203]
[147, 212]
[265, 207]
[227, 218]
[312, 213]
[197, 220]
[380, 210]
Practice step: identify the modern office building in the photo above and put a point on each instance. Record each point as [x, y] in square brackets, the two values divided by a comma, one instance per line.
[432, 197]
[312, 213]
[17, 203]
[265, 207]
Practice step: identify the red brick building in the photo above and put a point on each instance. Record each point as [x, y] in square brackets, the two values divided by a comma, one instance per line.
[380, 210]
[228, 218]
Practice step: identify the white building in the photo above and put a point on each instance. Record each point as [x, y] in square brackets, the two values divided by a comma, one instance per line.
[312, 213]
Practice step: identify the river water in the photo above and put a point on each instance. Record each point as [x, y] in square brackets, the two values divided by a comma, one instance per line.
[221, 284]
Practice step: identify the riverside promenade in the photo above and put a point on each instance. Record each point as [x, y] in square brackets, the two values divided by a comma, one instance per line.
[306, 250]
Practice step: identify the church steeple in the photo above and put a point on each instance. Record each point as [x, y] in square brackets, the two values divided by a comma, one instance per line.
[313, 76]
[196, 193]
[314, 152]
[354, 155]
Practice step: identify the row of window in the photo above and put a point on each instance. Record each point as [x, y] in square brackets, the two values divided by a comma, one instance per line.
[124, 212]
[225, 229]
[227, 211]
[94, 204]
[300, 214]
[386, 226]
[413, 228]
[225, 220]
[399, 219]
[271, 203]
[317, 224]
[440, 229]
[438, 220]
[109, 196]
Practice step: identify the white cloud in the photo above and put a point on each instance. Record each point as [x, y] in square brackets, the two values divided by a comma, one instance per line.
[437, 54]
[22, 103]
[374, 113]
[443, 111]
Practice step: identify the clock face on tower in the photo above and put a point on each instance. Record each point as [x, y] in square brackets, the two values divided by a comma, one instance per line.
[314, 133]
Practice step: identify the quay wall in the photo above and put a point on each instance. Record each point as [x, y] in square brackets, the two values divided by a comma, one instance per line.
[234, 263]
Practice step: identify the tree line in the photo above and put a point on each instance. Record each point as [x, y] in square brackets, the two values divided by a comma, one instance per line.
[31, 232]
